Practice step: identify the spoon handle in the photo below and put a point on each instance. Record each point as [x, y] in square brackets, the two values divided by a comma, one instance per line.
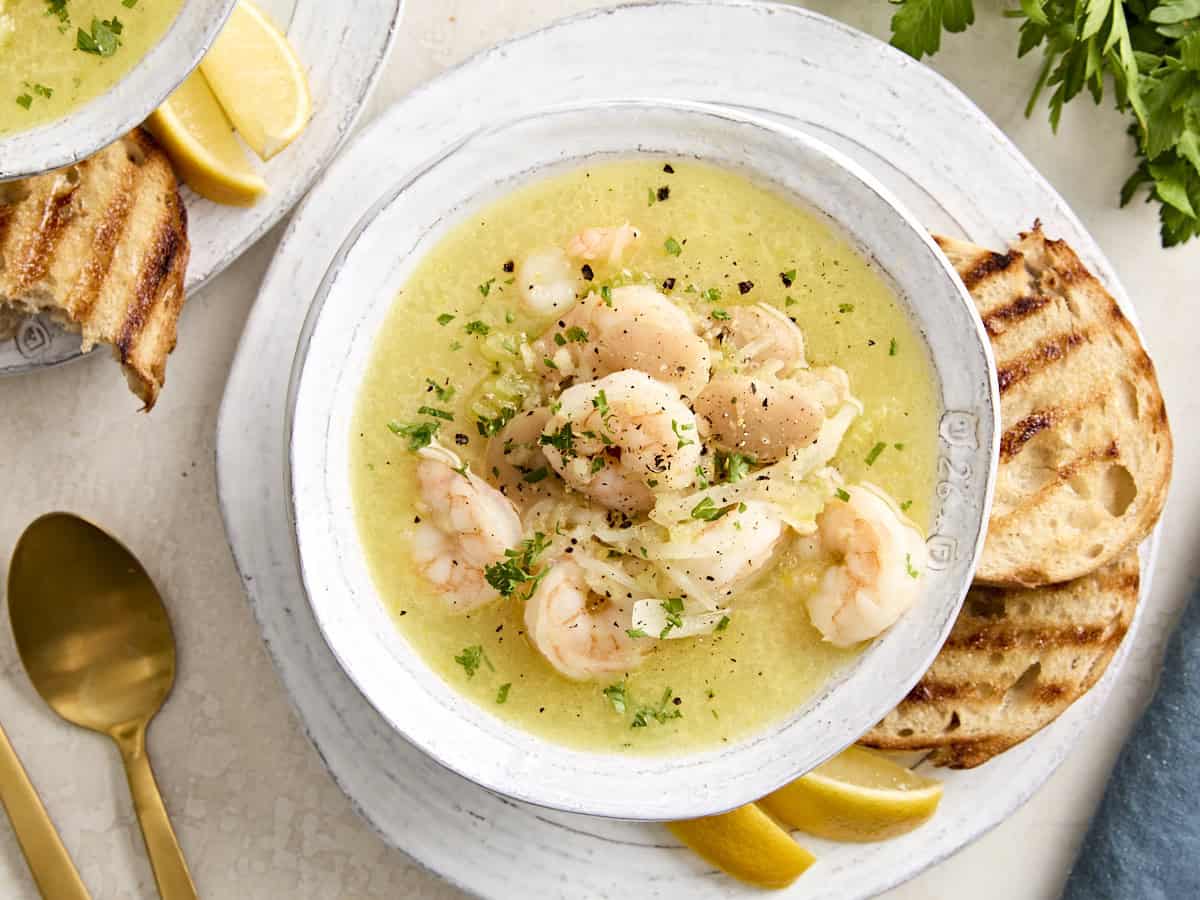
[53, 871]
[166, 859]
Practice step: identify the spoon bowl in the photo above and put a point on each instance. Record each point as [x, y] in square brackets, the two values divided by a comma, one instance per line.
[93, 634]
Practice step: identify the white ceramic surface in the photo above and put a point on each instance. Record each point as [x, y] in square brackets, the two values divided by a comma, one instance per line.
[343, 46]
[103, 119]
[914, 131]
[381, 251]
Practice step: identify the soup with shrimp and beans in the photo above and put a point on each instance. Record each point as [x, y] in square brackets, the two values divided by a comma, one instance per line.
[644, 454]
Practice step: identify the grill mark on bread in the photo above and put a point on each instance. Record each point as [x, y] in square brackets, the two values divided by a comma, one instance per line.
[39, 251]
[104, 244]
[999, 319]
[155, 265]
[1040, 357]
[988, 267]
[1003, 637]
[1013, 440]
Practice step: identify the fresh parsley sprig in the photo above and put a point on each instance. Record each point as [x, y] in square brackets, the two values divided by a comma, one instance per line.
[1149, 50]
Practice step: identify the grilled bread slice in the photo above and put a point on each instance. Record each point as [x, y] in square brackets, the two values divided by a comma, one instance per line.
[1085, 457]
[102, 246]
[1015, 660]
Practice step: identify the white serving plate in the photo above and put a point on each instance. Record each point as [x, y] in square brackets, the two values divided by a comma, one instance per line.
[343, 47]
[410, 217]
[873, 103]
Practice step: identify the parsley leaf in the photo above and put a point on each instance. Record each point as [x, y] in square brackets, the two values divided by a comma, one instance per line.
[917, 25]
[502, 692]
[516, 568]
[445, 319]
[683, 442]
[672, 246]
[471, 658]
[103, 39]
[706, 510]
[873, 453]
[419, 434]
[673, 607]
[617, 696]
[476, 327]
[908, 566]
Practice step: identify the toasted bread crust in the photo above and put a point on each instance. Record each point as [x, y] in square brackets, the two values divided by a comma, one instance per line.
[102, 245]
[1086, 451]
[1015, 660]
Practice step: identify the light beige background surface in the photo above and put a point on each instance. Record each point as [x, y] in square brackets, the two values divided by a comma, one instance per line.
[257, 815]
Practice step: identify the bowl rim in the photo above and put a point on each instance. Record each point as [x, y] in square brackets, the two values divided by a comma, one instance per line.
[103, 119]
[299, 368]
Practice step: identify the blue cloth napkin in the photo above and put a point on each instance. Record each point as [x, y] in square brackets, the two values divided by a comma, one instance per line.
[1144, 843]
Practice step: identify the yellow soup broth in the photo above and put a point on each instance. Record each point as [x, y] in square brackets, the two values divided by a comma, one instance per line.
[48, 68]
[693, 693]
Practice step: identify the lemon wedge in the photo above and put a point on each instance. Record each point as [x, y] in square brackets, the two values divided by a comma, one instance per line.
[746, 844]
[858, 795]
[258, 80]
[199, 139]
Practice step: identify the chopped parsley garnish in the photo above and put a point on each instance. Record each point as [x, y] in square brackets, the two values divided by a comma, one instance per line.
[436, 413]
[842, 495]
[40, 90]
[701, 477]
[549, 363]
[892, 348]
[899, 446]
[734, 466]
[908, 566]
[455, 345]
[673, 607]
[708, 511]
[787, 277]
[129, 4]
[636, 632]
[683, 442]
[874, 453]
[486, 287]
[419, 434]
[560, 340]
[103, 39]
[502, 692]
[723, 624]
[516, 568]
[600, 403]
[577, 335]
[672, 246]
[659, 714]
[445, 319]
[649, 196]
[444, 393]
[476, 327]
[488, 427]
[562, 440]
[720, 315]
[606, 294]
[58, 8]
[789, 300]
[617, 696]
[25, 100]
[845, 307]
[905, 505]
[712, 295]
[471, 658]
[536, 475]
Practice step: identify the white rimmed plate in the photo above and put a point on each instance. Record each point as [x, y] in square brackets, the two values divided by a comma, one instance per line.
[343, 47]
[900, 120]
[381, 251]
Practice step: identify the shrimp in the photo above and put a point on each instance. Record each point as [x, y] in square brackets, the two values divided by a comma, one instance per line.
[581, 634]
[634, 327]
[548, 281]
[515, 463]
[707, 558]
[618, 437]
[762, 337]
[877, 578]
[465, 526]
[762, 417]
[592, 244]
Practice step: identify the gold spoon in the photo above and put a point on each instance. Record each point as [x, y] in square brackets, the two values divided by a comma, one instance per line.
[53, 872]
[94, 637]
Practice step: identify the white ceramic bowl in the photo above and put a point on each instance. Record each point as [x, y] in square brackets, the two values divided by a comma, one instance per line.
[103, 119]
[374, 262]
